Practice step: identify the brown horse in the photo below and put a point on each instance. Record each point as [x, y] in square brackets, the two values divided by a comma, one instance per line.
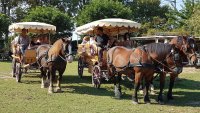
[188, 48]
[56, 60]
[142, 62]
[42, 62]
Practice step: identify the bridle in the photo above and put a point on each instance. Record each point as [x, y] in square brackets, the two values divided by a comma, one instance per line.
[176, 57]
[185, 46]
[65, 53]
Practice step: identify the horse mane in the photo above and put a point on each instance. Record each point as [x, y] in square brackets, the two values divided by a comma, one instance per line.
[56, 48]
[158, 48]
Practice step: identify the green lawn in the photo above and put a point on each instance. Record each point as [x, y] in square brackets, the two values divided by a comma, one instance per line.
[80, 97]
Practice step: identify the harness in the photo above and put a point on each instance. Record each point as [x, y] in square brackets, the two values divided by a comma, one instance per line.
[156, 64]
[61, 55]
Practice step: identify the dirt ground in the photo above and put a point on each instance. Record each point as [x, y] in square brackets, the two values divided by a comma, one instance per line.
[190, 70]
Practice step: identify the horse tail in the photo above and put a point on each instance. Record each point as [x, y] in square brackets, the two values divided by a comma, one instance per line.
[110, 55]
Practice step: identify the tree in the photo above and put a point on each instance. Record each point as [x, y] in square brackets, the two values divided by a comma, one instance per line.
[4, 23]
[177, 19]
[100, 9]
[193, 22]
[145, 10]
[50, 15]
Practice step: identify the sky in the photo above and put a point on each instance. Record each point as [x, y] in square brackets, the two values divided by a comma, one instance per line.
[179, 3]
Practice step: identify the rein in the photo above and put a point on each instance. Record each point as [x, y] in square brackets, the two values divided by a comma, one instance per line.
[163, 63]
[159, 62]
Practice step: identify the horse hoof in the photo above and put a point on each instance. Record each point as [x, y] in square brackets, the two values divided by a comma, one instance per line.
[42, 86]
[148, 102]
[117, 97]
[135, 103]
[170, 98]
[50, 92]
[58, 90]
[161, 102]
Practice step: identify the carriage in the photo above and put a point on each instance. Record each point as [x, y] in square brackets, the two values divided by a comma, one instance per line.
[29, 56]
[88, 53]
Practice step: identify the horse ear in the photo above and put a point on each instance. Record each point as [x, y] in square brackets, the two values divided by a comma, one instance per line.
[63, 39]
[69, 38]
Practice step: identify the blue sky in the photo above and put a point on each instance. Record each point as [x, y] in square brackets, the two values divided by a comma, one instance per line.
[178, 2]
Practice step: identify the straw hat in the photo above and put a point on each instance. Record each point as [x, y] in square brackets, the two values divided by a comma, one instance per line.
[86, 38]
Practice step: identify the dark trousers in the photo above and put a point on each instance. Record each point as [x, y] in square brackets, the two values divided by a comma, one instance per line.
[13, 66]
[100, 55]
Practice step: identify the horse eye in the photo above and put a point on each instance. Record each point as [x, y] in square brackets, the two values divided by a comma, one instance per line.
[192, 45]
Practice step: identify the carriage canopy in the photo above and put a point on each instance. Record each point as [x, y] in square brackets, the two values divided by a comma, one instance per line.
[33, 27]
[111, 26]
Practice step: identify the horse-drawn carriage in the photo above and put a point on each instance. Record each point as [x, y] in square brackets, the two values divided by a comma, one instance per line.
[88, 53]
[29, 57]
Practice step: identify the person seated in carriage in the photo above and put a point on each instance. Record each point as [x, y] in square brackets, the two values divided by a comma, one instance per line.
[22, 41]
[102, 41]
[127, 42]
[86, 39]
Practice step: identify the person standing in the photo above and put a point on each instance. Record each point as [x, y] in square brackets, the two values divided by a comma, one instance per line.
[22, 42]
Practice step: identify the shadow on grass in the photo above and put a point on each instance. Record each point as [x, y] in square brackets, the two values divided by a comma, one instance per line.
[186, 92]
[183, 96]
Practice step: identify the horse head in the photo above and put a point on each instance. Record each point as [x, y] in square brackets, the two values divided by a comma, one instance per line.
[67, 49]
[174, 61]
[187, 47]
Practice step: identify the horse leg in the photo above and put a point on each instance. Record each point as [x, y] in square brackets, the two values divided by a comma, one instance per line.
[136, 87]
[162, 84]
[58, 88]
[171, 85]
[52, 75]
[42, 77]
[147, 84]
[117, 80]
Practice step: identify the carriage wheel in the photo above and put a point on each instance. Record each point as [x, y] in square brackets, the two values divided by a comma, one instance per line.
[96, 76]
[80, 67]
[18, 72]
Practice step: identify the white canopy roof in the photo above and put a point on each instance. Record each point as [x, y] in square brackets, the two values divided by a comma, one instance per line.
[33, 27]
[111, 26]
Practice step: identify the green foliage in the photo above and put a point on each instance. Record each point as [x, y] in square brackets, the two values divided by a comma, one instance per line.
[4, 23]
[145, 10]
[151, 14]
[177, 19]
[193, 22]
[100, 9]
[50, 15]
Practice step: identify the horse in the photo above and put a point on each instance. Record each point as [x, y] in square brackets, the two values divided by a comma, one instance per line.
[55, 59]
[188, 48]
[42, 63]
[142, 62]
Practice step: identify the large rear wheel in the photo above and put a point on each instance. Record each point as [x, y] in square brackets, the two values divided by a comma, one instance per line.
[80, 67]
[96, 76]
[18, 72]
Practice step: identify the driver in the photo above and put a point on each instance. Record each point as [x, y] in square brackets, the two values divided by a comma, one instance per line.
[102, 41]
[23, 42]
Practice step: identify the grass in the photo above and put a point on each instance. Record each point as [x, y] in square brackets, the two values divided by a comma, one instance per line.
[80, 97]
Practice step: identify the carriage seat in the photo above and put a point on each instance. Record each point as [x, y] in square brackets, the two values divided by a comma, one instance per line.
[89, 49]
